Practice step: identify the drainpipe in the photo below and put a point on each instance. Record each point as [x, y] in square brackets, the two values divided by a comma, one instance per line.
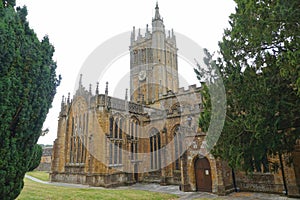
[283, 174]
[234, 181]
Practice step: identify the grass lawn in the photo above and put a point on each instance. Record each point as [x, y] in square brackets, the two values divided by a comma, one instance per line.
[44, 176]
[34, 191]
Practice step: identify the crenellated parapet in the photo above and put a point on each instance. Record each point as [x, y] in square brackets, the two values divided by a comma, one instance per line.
[145, 39]
[183, 102]
[191, 89]
[172, 104]
[154, 38]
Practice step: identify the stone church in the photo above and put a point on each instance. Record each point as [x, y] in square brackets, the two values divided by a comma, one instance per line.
[151, 135]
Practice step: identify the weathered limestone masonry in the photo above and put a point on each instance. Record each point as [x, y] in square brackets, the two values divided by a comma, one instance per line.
[45, 164]
[150, 136]
[274, 182]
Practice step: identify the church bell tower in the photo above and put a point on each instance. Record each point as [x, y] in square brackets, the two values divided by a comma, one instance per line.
[153, 62]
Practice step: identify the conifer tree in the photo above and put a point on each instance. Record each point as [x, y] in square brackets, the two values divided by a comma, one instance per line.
[260, 69]
[27, 87]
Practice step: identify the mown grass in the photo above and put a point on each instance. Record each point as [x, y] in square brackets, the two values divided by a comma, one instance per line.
[38, 191]
[44, 176]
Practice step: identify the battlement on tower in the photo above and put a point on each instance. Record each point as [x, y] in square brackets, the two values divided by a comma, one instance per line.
[145, 35]
[156, 34]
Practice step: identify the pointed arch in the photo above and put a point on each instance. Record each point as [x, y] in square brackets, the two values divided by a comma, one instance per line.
[134, 132]
[203, 174]
[78, 131]
[178, 145]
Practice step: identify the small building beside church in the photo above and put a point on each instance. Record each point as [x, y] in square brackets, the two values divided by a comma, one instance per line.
[45, 164]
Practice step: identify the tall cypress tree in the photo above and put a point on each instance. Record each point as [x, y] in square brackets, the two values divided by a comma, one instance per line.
[27, 87]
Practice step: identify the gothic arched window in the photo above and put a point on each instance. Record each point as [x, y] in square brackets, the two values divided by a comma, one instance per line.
[134, 134]
[155, 145]
[120, 128]
[136, 129]
[116, 128]
[111, 126]
[115, 146]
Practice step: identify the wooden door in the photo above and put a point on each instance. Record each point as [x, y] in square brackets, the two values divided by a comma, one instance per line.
[203, 175]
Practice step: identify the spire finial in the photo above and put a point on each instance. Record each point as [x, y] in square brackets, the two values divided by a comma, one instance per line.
[106, 88]
[97, 88]
[133, 34]
[157, 15]
[68, 98]
[90, 88]
[80, 80]
[63, 102]
[126, 94]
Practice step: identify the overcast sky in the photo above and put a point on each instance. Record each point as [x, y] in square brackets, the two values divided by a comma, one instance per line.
[76, 28]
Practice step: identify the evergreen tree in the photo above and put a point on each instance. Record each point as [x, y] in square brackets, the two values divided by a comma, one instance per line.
[260, 70]
[35, 157]
[27, 88]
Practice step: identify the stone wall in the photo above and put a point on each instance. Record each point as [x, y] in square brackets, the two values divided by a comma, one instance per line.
[260, 182]
[75, 178]
[45, 164]
[103, 180]
[272, 182]
[107, 180]
[152, 177]
[44, 167]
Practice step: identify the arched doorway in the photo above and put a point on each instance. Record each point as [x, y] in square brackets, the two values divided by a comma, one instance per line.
[203, 175]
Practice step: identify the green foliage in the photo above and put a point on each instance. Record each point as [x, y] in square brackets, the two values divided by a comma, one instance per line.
[213, 98]
[260, 69]
[27, 88]
[35, 157]
[6, 3]
[204, 76]
[265, 33]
